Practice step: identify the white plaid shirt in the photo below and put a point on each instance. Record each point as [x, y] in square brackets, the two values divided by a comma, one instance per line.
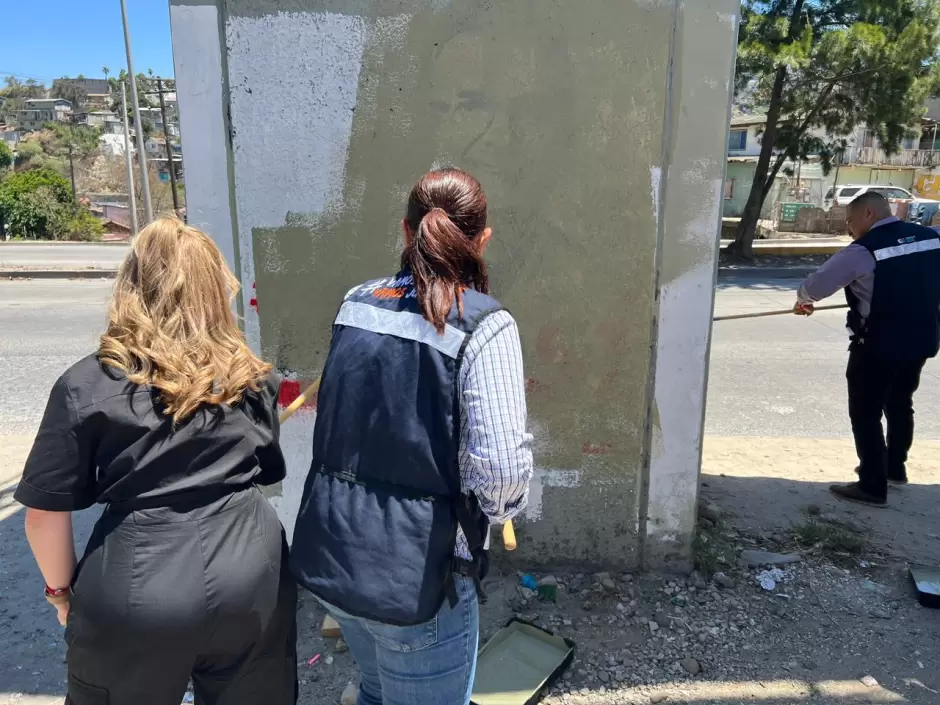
[495, 450]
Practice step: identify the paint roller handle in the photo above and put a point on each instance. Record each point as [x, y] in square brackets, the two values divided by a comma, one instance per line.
[509, 536]
[299, 401]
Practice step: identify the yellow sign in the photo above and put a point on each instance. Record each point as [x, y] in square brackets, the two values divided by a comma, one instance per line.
[928, 186]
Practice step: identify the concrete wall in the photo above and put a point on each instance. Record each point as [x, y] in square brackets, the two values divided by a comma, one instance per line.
[599, 132]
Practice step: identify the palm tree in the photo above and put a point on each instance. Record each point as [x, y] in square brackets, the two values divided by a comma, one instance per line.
[105, 70]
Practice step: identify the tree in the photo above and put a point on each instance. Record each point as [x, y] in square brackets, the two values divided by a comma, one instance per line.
[831, 65]
[71, 91]
[6, 158]
[16, 89]
[36, 203]
[105, 70]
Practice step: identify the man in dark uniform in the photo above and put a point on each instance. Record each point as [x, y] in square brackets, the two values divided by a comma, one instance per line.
[891, 277]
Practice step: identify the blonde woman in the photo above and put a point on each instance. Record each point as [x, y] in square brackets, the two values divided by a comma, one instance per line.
[171, 424]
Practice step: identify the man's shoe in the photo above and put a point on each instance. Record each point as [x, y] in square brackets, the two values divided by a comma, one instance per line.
[854, 493]
[896, 481]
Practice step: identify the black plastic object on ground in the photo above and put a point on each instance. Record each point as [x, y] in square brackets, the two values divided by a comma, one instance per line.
[517, 664]
[927, 581]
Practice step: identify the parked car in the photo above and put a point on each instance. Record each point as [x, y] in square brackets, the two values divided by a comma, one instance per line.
[919, 210]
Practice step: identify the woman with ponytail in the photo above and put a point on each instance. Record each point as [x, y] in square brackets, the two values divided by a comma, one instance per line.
[420, 443]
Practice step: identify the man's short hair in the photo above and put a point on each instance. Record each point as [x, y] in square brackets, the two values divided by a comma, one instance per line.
[870, 199]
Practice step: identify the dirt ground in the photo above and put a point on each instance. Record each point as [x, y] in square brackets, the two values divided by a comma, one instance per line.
[767, 484]
[841, 626]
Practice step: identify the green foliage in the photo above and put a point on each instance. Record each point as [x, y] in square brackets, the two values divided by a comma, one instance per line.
[83, 226]
[71, 91]
[831, 65]
[37, 214]
[16, 89]
[24, 182]
[846, 63]
[84, 139]
[6, 158]
[146, 124]
[29, 155]
[35, 203]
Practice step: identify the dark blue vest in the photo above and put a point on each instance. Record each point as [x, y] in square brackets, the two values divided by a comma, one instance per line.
[377, 526]
[904, 320]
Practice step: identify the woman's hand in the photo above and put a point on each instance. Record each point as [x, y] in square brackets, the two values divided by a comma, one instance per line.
[62, 612]
[50, 536]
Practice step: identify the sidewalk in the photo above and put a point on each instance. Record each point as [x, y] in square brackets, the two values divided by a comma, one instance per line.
[47, 260]
[101, 260]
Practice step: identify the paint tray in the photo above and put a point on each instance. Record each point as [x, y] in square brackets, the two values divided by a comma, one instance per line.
[518, 663]
[927, 581]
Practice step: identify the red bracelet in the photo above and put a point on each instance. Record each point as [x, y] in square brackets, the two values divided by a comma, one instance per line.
[56, 592]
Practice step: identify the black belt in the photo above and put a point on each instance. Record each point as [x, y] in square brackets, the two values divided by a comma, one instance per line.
[178, 501]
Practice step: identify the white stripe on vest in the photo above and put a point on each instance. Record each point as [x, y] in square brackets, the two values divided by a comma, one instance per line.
[908, 249]
[402, 324]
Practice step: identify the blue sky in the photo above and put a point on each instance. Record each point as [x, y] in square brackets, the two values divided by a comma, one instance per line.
[69, 37]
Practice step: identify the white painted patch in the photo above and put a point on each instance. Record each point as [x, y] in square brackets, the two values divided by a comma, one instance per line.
[685, 306]
[297, 446]
[293, 81]
[783, 410]
[656, 177]
[547, 478]
[728, 18]
[685, 311]
[198, 63]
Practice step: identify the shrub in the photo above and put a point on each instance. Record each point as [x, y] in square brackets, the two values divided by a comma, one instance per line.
[37, 214]
[36, 204]
[83, 226]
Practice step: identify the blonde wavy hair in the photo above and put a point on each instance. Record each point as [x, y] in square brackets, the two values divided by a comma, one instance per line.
[171, 325]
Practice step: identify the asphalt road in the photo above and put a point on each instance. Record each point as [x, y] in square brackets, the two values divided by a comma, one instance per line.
[785, 375]
[61, 256]
[780, 376]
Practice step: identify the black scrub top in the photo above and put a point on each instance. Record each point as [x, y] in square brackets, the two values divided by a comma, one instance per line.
[104, 439]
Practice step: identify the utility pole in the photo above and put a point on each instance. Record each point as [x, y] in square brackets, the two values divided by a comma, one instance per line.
[141, 149]
[169, 149]
[72, 164]
[129, 163]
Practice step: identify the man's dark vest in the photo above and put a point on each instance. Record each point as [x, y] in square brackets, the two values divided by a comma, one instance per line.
[904, 320]
[377, 526]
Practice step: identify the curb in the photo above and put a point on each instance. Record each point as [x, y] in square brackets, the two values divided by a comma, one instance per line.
[731, 273]
[58, 274]
[802, 250]
[63, 243]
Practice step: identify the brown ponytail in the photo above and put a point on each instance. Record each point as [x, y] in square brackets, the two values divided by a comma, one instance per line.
[446, 211]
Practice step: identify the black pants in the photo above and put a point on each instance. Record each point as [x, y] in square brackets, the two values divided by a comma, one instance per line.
[878, 386]
[168, 594]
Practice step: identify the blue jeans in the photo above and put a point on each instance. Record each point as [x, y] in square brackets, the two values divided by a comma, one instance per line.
[427, 664]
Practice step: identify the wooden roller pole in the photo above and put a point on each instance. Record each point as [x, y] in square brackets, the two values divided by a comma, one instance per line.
[763, 314]
[299, 401]
[509, 534]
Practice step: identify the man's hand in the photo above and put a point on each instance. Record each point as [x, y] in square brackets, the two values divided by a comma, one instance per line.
[803, 309]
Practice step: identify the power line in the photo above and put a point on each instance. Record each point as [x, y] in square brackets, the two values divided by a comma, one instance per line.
[23, 75]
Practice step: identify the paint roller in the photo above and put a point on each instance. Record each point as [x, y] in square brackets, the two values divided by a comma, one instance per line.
[509, 533]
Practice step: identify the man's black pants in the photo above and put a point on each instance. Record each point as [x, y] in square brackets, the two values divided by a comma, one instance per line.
[877, 387]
